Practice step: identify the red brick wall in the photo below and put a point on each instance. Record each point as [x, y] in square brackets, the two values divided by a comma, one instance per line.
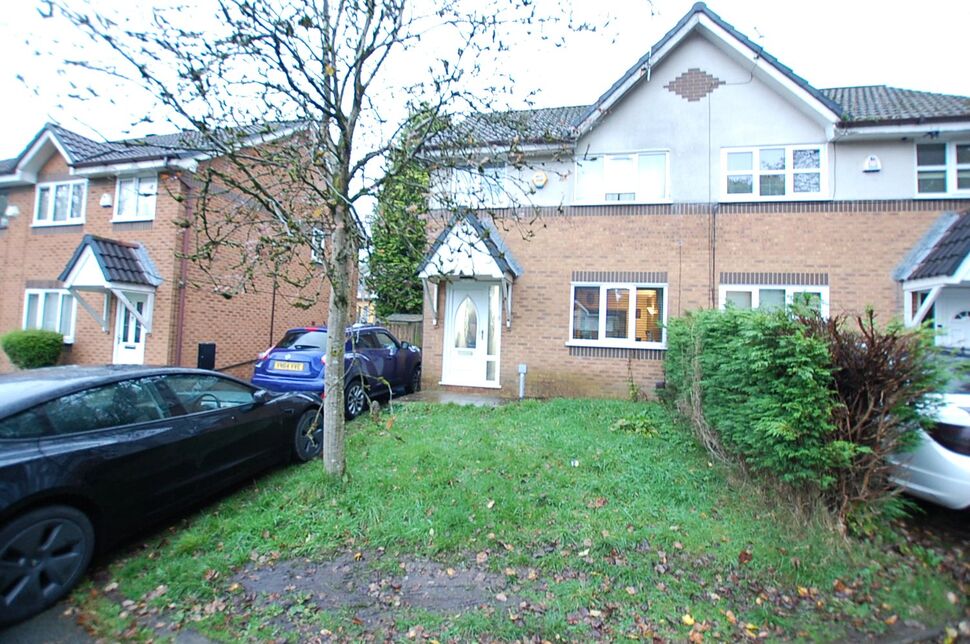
[857, 246]
[240, 326]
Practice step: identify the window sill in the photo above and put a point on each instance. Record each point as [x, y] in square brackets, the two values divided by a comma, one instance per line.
[943, 195]
[616, 345]
[56, 224]
[131, 220]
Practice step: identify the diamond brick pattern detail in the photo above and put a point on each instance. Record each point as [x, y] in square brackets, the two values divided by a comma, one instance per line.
[694, 84]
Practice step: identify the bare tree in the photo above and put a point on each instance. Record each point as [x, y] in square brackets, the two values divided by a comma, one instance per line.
[294, 102]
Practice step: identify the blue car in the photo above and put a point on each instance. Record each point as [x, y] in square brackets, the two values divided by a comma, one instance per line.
[376, 364]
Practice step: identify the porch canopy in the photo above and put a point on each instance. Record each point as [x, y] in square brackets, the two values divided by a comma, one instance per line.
[108, 266]
[940, 260]
[469, 248]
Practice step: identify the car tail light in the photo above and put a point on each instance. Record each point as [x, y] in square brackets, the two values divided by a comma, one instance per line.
[323, 360]
[952, 437]
[263, 355]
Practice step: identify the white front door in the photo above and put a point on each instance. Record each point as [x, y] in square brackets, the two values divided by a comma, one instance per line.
[952, 313]
[472, 334]
[129, 333]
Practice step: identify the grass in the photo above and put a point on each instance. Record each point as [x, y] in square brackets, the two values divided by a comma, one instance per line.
[628, 528]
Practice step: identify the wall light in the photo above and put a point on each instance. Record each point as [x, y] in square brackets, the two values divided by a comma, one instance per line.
[106, 200]
[12, 211]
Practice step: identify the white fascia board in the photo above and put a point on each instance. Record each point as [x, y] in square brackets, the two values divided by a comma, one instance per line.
[860, 131]
[620, 92]
[30, 164]
[929, 283]
[532, 149]
[113, 169]
[18, 178]
[817, 106]
[962, 274]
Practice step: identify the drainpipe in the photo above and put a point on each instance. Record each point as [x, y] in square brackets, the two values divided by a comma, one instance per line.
[523, 368]
[183, 272]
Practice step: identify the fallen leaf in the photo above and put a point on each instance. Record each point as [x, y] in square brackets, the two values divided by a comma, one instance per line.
[450, 572]
[597, 503]
[802, 591]
[490, 504]
[502, 597]
[235, 587]
[583, 553]
[952, 597]
[112, 586]
[595, 613]
[532, 574]
[510, 572]
[838, 586]
[745, 556]
[630, 590]
[678, 545]
[687, 619]
[892, 619]
[730, 617]
[358, 556]
[481, 557]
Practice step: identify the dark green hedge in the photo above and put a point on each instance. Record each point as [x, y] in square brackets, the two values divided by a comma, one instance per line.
[33, 348]
[813, 402]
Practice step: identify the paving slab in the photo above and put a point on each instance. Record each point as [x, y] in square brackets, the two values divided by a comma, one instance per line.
[441, 396]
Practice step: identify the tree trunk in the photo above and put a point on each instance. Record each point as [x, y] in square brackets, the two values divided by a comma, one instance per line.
[342, 253]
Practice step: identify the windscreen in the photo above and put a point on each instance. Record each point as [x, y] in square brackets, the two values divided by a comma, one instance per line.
[297, 340]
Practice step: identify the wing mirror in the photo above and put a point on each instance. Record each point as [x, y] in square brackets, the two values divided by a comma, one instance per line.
[261, 396]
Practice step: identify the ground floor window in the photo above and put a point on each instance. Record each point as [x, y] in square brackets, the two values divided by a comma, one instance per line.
[771, 297]
[52, 310]
[618, 315]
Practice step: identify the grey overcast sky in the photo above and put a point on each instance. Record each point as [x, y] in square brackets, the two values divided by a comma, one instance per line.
[831, 43]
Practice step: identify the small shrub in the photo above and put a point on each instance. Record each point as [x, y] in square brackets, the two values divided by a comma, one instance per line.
[32, 348]
[641, 424]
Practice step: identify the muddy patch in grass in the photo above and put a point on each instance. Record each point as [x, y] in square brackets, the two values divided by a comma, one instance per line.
[371, 588]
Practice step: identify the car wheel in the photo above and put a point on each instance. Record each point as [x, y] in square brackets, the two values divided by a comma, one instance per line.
[355, 399]
[414, 384]
[42, 556]
[308, 438]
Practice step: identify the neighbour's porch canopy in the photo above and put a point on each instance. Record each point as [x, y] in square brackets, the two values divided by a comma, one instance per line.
[469, 248]
[941, 259]
[108, 266]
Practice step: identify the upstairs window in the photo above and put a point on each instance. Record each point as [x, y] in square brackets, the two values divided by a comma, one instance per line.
[637, 177]
[942, 168]
[60, 203]
[318, 245]
[774, 173]
[136, 198]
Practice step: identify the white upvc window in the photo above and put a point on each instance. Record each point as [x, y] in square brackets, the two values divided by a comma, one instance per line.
[774, 173]
[618, 315]
[773, 297]
[60, 203]
[483, 187]
[318, 244]
[634, 177]
[942, 169]
[51, 310]
[135, 198]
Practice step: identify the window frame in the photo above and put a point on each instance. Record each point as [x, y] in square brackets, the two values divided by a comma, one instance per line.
[790, 291]
[619, 343]
[42, 294]
[950, 167]
[118, 217]
[604, 160]
[52, 186]
[789, 173]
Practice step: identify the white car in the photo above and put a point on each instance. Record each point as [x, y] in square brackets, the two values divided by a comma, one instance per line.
[938, 469]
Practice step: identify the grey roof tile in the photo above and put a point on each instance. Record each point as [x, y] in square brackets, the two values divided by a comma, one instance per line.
[544, 125]
[8, 165]
[948, 253]
[886, 104]
[122, 262]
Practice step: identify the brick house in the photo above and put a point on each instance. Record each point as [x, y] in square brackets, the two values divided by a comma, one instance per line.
[88, 247]
[709, 174]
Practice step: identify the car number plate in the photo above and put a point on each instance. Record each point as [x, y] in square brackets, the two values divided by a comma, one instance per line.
[281, 365]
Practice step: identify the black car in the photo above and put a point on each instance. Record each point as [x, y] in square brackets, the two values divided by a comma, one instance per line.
[89, 455]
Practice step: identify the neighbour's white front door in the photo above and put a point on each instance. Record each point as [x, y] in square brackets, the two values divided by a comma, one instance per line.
[952, 312]
[129, 333]
[472, 334]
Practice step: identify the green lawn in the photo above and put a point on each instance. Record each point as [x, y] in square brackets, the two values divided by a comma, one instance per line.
[600, 532]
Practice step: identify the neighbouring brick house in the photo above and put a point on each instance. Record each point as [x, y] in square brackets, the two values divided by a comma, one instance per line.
[88, 247]
[709, 174]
